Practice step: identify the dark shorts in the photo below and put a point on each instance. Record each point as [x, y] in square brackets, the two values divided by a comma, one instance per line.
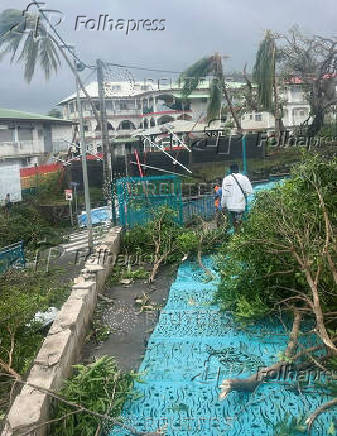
[235, 217]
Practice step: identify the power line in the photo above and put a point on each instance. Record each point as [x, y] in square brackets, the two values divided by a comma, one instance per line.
[143, 68]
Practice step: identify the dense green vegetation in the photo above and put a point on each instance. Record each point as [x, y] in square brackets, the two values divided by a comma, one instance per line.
[26, 221]
[162, 240]
[22, 295]
[99, 387]
[328, 130]
[261, 268]
[284, 262]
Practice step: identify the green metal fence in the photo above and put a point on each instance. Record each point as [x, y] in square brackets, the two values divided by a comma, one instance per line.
[140, 197]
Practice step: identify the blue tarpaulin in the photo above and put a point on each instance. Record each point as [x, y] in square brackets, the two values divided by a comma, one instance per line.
[98, 216]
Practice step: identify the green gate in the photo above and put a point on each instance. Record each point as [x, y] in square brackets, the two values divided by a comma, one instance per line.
[140, 197]
[10, 256]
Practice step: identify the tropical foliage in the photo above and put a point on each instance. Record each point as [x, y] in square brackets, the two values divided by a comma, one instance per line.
[22, 295]
[99, 387]
[27, 41]
[289, 216]
[284, 262]
[192, 77]
[163, 241]
[264, 71]
[25, 222]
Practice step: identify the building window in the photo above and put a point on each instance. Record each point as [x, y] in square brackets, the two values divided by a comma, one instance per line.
[25, 134]
[126, 125]
[258, 117]
[302, 113]
[6, 135]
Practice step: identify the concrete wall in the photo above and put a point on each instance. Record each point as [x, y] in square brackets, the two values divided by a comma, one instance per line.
[10, 183]
[61, 348]
[249, 121]
[60, 134]
[29, 138]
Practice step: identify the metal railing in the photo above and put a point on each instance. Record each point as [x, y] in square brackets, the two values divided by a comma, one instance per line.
[203, 206]
[12, 256]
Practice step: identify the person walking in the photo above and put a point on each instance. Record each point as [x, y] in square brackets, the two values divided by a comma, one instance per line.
[235, 189]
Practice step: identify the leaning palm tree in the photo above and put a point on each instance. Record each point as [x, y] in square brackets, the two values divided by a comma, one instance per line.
[27, 40]
[192, 76]
[264, 74]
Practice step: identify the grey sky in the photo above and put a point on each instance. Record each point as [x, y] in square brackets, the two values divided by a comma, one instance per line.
[194, 28]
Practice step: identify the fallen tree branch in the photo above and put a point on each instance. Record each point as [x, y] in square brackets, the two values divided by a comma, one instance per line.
[36, 427]
[104, 298]
[320, 410]
[9, 371]
[202, 266]
[80, 408]
[251, 383]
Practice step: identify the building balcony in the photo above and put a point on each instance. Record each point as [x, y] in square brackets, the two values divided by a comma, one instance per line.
[165, 111]
[124, 112]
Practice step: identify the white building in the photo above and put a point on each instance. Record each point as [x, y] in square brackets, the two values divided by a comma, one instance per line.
[27, 139]
[296, 111]
[137, 106]
[133, 107]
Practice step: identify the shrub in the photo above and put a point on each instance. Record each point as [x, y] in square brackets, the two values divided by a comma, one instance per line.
[99, 387]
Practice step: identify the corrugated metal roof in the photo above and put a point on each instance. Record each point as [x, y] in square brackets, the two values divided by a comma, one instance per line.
[10, 114]
[133, 89]
[192, 95]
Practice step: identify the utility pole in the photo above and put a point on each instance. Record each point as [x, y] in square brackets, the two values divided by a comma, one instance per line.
[84, 164]
[244, 154]
[104, 122]
[107, 163]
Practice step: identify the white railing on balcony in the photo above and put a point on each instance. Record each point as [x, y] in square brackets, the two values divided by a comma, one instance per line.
[126, 112]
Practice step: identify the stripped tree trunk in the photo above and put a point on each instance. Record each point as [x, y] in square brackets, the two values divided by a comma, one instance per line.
[251, 383]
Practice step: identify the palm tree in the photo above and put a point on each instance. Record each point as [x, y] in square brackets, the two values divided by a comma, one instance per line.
[191, 78]
[26, 39]
[264, 74]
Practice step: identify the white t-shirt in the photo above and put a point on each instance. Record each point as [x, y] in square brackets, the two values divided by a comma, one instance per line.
[232, 196]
